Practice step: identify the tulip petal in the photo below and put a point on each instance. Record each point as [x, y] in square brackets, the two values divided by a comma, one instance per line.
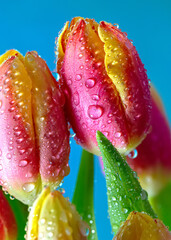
[125, 69]
[19, 163]
[52, 140]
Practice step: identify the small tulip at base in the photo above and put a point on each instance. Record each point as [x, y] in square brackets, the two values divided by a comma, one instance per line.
[53, 217]
[140, 226]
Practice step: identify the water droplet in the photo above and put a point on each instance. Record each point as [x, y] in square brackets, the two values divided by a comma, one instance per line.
[50, 234]
[12, 198]
[95, 97]
[133, 154]
[90, 82]
[78, 77]
[63, 217]
[1, 167]
[28, 187]
[116, 25]
[62, 190]
[95, 111]
[23, 163]
[143, 195]
[0, 103]
[117, 134]
[125, 210]
[8, 155]
[0, 152]
[68, 230]
[80, 55]
[76, 98]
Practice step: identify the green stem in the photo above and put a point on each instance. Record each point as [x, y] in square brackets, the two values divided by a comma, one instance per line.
[84, 192]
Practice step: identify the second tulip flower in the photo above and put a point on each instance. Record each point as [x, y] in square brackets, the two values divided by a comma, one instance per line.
[34, 138]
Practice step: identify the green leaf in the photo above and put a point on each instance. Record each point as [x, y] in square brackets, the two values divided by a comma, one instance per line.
[161, 204]
[21, 213]
[123, 189]
[83, 195]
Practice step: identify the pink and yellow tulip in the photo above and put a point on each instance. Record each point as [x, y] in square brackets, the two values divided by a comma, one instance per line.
[8, 226]
[105, 84]
[153, 162]
[34, 138]
[142, 226]
[53, 217]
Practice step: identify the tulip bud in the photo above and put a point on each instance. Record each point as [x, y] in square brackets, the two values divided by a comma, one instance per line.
[53, 217]
[8, 226]
[34, 139]
[105, 84]
[142, 226]
[153, 162]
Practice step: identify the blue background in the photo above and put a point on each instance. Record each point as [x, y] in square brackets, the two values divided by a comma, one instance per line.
[34, 25]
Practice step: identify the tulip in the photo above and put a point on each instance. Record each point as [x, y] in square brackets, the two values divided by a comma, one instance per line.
[153, 162]
[142, 226]
[54, 217]
[8, 226]
[105, 84]
[34, 139]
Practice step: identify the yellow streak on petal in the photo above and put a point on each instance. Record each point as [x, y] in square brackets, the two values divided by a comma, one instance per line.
[115, 59]
[93, 41]
[53, 221]
[7, 55]
[60, 40]
[34, 216]
[22, 85]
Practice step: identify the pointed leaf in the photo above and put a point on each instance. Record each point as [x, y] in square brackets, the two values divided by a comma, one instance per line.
[123, 189]
[83, 195]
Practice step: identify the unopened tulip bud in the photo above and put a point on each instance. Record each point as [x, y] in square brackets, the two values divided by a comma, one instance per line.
[34, 138]
[53, 217]
[142, 226]
[105, 84]
[8, 225]
[153, 162]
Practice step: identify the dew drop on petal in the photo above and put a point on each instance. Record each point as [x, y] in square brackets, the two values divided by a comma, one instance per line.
[9, 156]
[117, 134]
[23, 163]
[133, 154]
[95, 111]
[90, 82]
[95, 97]
[76, 98]
[78, 77]
[28, 187]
